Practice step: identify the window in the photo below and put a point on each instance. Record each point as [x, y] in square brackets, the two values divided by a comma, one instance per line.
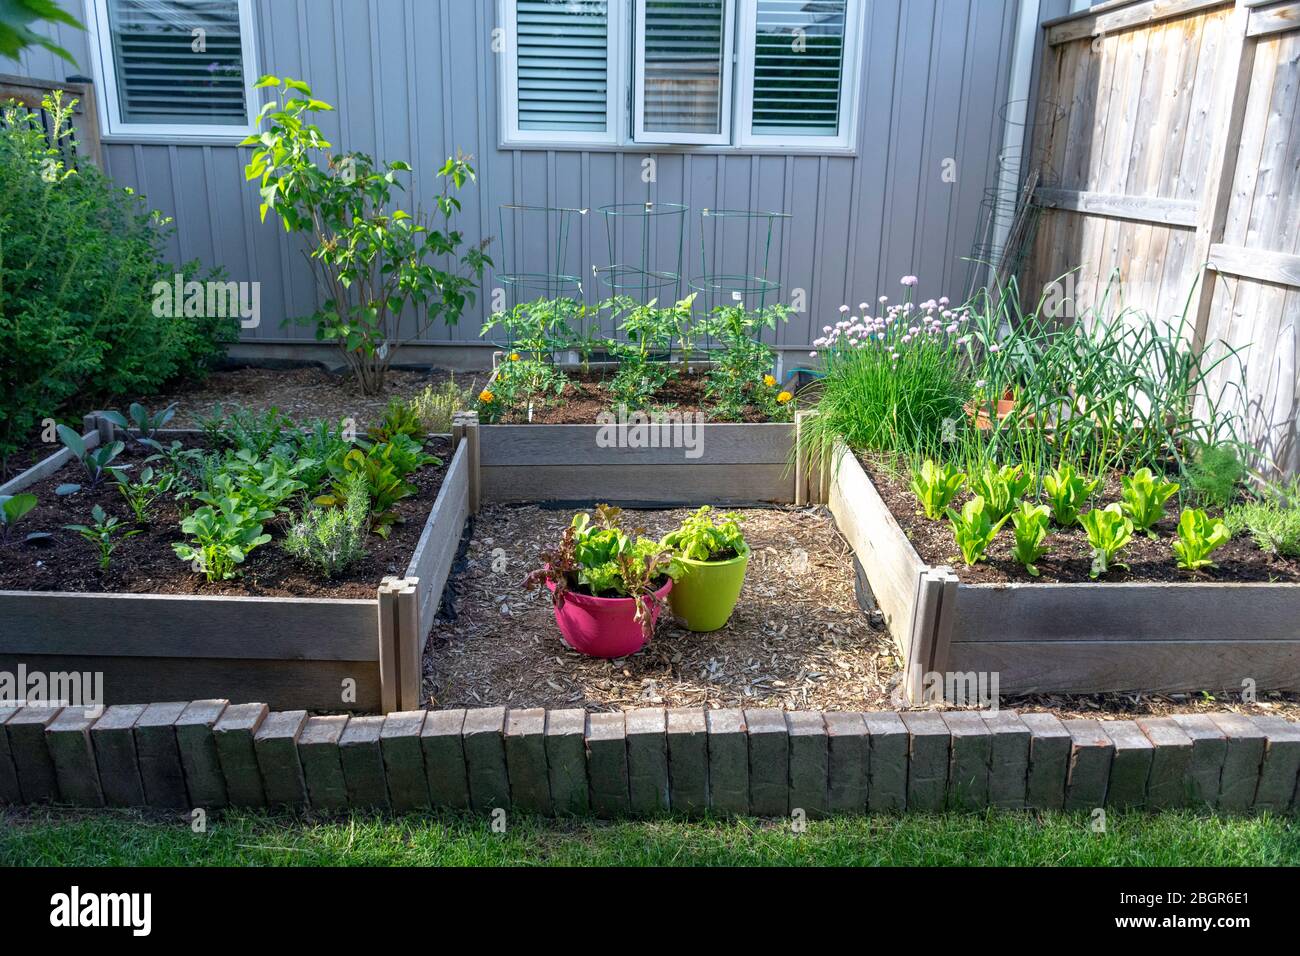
[742, 73]
[175, 68]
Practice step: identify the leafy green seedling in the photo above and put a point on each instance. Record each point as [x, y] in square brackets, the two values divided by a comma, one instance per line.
[13, 508]
[142, 493]
[974, 529]
[1199, 535]
[1144, 499]
[1030, 523]
[98, 462]
[1068, 492]
[101, 533]
[1109, 532]
[935, 486]
[1001, 488]
[706, 537]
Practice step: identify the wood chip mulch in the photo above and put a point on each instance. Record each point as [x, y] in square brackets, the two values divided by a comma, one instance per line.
[797, 639]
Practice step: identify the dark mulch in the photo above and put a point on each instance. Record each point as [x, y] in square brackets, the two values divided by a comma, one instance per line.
[304, 394]
[585, 397]
[146, 563]
[1070, 557]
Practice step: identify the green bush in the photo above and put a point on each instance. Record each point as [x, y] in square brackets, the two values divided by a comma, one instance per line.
[79, 258]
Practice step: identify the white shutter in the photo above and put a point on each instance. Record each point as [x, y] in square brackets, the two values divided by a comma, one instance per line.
[799, 59]
[562, 65]
[178, 63]
[683, 66]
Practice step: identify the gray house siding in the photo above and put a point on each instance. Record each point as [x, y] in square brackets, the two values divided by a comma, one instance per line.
[416, 79]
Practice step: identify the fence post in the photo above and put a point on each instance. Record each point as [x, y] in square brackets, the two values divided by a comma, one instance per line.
[389, 651]
[475, 468]
[410, 643]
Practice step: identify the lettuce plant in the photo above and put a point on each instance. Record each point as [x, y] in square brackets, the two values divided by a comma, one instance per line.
[1109, 532]
[1199, 535]
[1068, 492]
[974, 529]
[1144, 498]
[935, 486]
[1030, 523]
[704, 537]
[1001, 488]
[599, 557]
[223, 533]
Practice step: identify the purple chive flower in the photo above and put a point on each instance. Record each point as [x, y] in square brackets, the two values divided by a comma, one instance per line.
[910, 281]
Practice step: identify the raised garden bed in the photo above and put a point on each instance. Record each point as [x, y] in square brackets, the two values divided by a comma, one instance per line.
[157, 632]
[1081, 637]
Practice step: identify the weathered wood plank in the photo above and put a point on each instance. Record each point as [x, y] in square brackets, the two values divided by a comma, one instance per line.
[1110, 18]
[1271, 20]
[1089, 667]
[1154, 209]
[710, 444]
[46, 466]
[285, 685]
[683, 484]
[1045, 613]
[891, 564]
[436, 549]
[189, 626]
[1280, 268]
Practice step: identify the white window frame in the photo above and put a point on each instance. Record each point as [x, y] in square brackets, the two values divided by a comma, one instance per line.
[615, 87]
[105, 76]
[850, 82]
[726, 102]
[626, 90]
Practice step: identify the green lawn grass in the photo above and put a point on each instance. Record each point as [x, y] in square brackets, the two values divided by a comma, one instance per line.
[238, 838]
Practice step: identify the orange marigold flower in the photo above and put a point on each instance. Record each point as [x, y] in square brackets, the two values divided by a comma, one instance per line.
[784, 397]
[514, 356]
[486, 397]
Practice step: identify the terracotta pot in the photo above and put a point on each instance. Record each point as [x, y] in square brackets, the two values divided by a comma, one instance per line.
[983, 421]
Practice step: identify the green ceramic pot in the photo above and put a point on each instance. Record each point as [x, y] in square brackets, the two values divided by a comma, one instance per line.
[706, 593]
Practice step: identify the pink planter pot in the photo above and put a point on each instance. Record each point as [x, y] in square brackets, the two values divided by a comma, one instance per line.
[604, 627]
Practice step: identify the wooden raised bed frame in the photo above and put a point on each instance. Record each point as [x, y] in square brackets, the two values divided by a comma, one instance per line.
[1065, 638]
[295, 652]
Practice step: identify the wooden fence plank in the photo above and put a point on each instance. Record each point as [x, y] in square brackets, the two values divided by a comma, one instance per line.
[1169, 212]
[718, 444]
[658, 484]
[436, 550]
[1112, 18]
[1280, 268]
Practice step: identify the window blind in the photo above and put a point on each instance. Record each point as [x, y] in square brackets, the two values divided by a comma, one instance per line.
[798, 67]
[563, 64]
[178, 62]
[683, 65]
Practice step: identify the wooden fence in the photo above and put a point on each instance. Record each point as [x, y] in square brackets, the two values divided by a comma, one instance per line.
[29, 92]
[1169, 137]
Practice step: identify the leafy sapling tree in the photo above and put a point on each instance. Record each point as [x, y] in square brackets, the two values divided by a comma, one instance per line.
[372, 259]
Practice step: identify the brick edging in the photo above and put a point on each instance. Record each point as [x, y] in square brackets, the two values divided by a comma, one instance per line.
[644, 762]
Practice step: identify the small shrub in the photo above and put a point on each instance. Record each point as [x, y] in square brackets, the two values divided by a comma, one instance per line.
[935, 486]
[1275, 527]
[1109, 532]
[436, 406]
[79, 259]
[1030, 522]
[1214, 474]
[333, 539]
[1198, 536]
